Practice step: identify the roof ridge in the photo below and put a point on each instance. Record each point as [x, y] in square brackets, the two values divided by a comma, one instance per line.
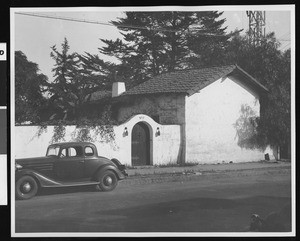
[180, 70]
[186, 80]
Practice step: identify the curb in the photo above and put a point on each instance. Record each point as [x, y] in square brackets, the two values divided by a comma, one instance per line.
[158, 178]
[212, 174]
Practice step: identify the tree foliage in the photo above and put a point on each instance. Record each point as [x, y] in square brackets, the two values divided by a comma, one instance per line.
[29, 88]
[272, 68]
[65, 100]
[158, 42]
[76, 79]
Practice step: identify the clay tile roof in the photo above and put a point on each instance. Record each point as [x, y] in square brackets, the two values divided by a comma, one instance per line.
[184, 81]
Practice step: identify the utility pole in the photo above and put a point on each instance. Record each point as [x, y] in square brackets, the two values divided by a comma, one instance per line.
[257, 24]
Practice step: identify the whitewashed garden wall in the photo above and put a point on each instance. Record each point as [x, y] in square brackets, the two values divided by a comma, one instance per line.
[165, 148]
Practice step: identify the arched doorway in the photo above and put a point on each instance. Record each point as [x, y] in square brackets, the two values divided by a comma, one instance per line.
[140, 145]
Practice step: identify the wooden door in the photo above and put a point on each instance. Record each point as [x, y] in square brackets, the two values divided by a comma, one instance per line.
[140, 144]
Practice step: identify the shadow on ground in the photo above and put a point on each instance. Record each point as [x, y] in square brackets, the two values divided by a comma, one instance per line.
[64, 190]
[205, 214]
[187, 215]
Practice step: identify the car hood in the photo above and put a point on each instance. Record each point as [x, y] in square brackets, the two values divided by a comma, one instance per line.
[36, 160]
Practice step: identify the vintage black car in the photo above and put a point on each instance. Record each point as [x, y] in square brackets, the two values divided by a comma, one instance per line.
[67, 164]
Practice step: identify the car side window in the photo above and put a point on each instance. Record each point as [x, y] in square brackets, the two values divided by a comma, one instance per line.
[72, 151]
[63, 153]
[88, 151]
[75, 151]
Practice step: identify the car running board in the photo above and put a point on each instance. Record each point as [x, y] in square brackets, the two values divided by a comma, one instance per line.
[73, 184]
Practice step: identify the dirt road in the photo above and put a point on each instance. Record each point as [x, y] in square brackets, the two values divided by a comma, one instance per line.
[215, 202]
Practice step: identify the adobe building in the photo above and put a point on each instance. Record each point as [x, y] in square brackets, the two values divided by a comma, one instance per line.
[177, 117]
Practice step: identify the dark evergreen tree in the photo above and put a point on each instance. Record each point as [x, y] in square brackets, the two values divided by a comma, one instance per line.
[64, 89]
[158, 42]
[76, 78]
[29, 88]
[97, 71]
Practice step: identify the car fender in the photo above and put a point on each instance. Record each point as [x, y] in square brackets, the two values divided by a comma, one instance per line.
[42, 180]
[110, 167]
[121, 167]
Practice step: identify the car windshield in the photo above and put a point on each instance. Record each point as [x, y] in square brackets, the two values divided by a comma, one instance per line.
[53, 151]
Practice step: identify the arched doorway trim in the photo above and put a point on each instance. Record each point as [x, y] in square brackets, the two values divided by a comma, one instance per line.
[150, 123]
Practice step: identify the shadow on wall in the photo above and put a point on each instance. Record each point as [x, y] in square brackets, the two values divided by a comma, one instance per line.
[246, 128]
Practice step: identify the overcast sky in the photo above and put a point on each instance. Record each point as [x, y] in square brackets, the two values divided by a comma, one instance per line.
[35, 35]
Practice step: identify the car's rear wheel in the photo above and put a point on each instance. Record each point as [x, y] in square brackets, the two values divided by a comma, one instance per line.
[107, 181]
[26, 188]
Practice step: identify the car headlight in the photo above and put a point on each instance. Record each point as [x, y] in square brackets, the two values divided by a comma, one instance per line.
[18, 166]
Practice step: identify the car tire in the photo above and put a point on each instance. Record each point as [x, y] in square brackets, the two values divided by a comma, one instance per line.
[26, 188]
[107, 181]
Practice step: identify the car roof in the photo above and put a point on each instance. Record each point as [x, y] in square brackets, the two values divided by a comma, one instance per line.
[64, 144]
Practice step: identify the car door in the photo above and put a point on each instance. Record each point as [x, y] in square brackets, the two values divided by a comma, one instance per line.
[70, 164]
[91, 161]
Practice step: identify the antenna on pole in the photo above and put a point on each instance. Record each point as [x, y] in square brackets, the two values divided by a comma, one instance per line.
[257, 26]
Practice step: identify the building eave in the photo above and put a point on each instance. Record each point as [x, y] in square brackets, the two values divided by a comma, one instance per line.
[252, 79]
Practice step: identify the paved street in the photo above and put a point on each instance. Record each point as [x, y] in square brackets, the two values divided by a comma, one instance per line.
[220, 202]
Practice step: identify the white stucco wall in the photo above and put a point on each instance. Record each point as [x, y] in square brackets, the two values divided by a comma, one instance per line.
[210, 115]
[164, 148]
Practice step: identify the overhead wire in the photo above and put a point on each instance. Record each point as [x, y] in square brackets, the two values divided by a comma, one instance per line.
[110, 24]
[123, 25]
[283, 35]
[268, 24]
[286, 46]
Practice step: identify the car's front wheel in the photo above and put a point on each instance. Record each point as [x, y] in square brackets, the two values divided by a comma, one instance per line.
[107, 181]
[26, 188]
